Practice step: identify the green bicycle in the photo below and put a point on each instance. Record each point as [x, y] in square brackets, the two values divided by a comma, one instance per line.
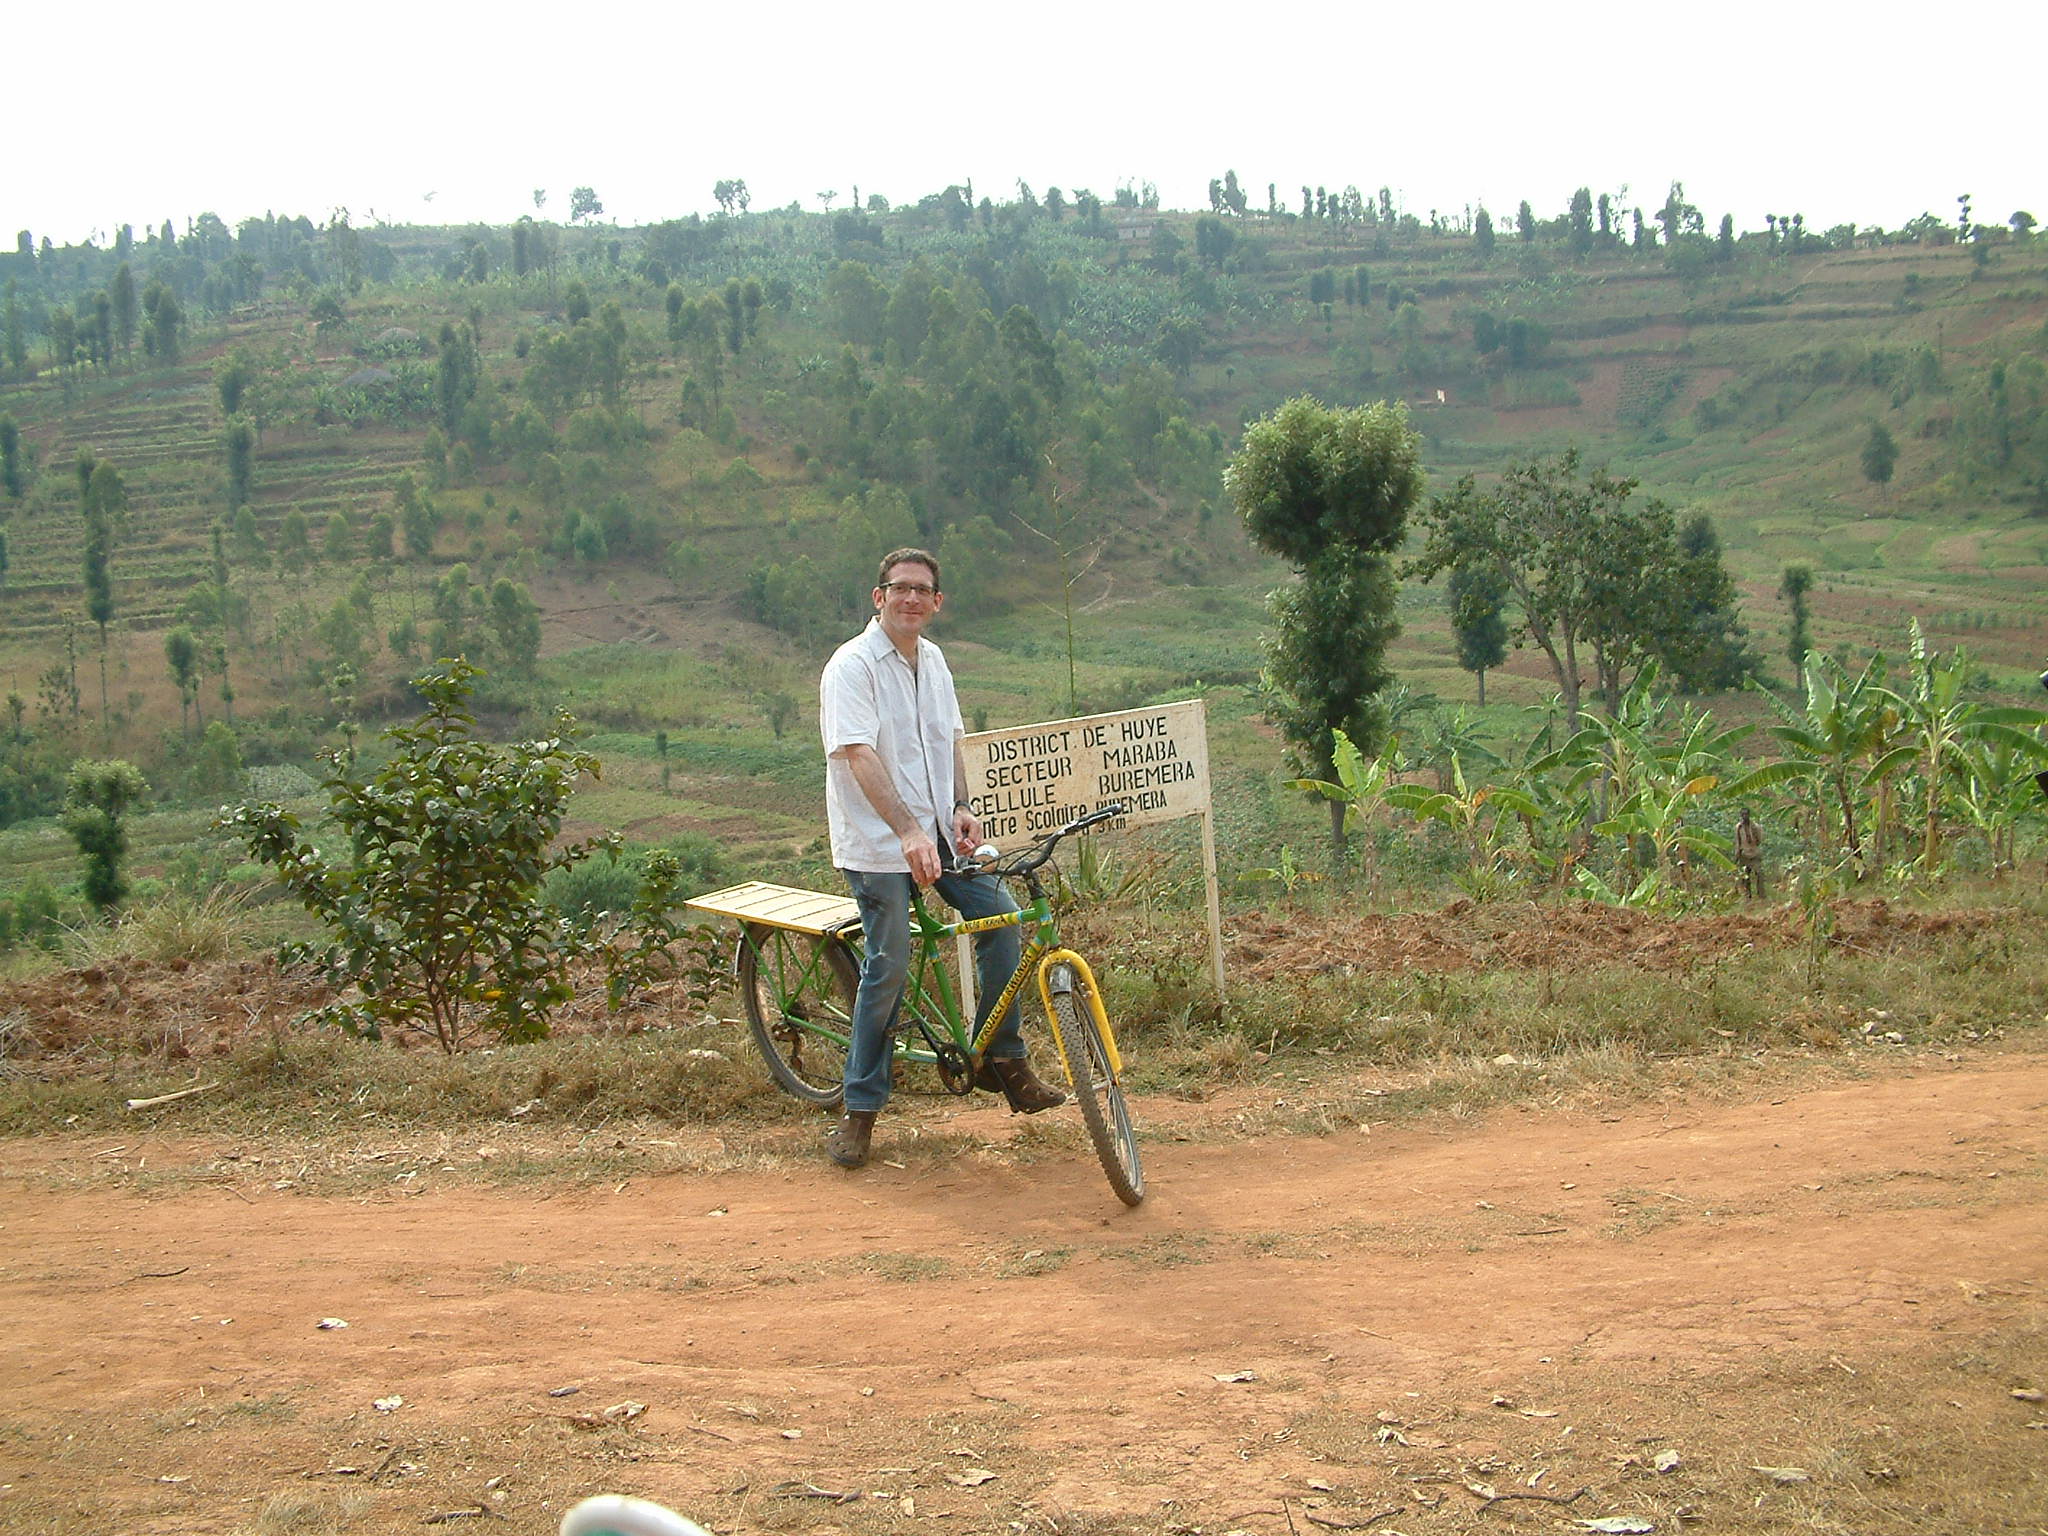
[798, 966]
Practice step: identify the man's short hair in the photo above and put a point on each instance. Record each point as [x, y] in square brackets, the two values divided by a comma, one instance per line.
[897, 557]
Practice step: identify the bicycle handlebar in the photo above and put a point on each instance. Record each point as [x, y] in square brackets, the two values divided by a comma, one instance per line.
[1024, 860]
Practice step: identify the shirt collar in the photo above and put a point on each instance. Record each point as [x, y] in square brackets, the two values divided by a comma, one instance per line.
[875, 640]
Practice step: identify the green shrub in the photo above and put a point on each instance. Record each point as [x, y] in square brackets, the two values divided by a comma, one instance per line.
[38, 915]
[580, 892]
[436, 916]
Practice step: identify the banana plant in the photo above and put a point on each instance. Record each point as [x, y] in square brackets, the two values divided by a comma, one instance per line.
[1996, 792]
[1643, 893]
[1361, 788]
[1452, 734]
[1471, 812]
[1842, 724]
[1639, 773]
[1289, 874]
[1940, 725]
[1657, 811]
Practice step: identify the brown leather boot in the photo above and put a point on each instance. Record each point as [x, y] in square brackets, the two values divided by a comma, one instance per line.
[848, 1144]
[1015, 1081]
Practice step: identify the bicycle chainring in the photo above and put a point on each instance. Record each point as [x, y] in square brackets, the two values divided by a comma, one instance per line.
[956, 1069]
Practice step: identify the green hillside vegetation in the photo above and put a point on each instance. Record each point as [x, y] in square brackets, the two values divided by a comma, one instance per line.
[645, 473]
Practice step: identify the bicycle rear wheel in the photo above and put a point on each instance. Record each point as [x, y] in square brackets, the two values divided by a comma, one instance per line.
[797, 989]
[1103, 1109]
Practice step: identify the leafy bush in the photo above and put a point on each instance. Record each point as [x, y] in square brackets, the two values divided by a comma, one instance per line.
[581, 892]
[437, 916]
[36, 917]
[701, 862]
[280, 781]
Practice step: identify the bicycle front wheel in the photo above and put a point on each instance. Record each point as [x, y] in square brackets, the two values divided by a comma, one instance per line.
[1103, 1109]
[797, 989]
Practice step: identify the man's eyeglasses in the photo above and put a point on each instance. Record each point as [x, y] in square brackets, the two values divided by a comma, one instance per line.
[910, 589]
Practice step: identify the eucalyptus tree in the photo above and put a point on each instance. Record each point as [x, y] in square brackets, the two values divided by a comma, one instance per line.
[104, 503]
[164, 323]
[238, 439]
[182, 656]
[97, 799]
[11, 483]
[13, 333]
[1793, 587]
[232, 376]
[1581, 219]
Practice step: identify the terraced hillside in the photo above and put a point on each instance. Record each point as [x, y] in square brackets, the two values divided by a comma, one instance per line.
[1741, 382]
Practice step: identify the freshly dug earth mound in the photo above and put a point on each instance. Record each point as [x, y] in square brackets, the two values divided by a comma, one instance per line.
[1470, 936]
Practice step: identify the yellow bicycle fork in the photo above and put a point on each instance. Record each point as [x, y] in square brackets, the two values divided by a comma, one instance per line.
[1090, 992]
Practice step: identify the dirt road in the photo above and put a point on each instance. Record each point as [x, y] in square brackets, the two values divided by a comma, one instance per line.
[1804, 1308]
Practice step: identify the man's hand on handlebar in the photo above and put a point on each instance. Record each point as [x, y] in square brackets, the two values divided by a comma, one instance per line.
[989, 857]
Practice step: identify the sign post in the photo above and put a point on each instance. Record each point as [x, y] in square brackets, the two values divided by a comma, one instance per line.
[1026, 780]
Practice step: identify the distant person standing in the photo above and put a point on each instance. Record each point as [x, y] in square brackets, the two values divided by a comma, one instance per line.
[1749, 854]
[896, 803]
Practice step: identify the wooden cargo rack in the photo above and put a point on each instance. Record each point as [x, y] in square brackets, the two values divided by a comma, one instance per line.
[779, 906]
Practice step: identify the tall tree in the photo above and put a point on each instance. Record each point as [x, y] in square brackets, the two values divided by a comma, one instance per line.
[1477, 597]
[456, 373]
[515, 625]
[63, 342]
[96, 803]
[181, 655]
[1793, 587]
[127, 307]
[164, 325]
[1482, 232]
[10, 459]
[1329, 491]
[224, 609]
[1582, 221]
[104, 502]
[858, 302]
[1880, 456]
[239, 441]
[232, 376]
[15, 338]
[1706, 646]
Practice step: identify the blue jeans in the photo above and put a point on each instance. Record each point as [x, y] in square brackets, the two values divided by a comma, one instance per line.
[884, 901]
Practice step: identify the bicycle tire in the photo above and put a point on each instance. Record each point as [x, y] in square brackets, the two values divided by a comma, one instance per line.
[1103, 1109]
[789, 983]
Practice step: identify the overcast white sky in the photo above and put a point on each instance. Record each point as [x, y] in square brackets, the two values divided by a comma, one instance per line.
[1870, 115]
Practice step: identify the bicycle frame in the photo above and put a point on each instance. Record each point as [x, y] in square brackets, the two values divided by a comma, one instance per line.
[929, 992]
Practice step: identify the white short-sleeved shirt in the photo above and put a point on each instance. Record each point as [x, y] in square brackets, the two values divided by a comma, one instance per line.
[870, 696]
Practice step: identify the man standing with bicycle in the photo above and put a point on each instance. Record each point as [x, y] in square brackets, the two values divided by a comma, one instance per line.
[896, 804]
